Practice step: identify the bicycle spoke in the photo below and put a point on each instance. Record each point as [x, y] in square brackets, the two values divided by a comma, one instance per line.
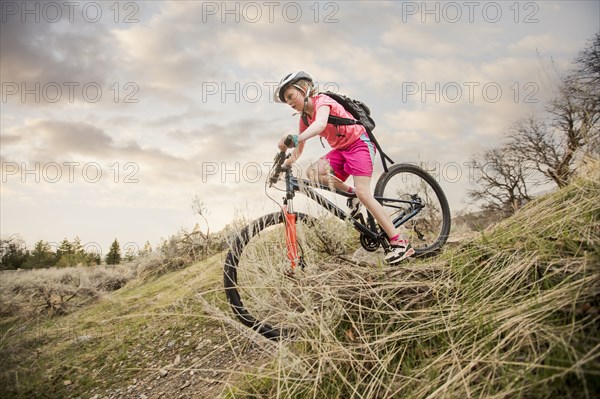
[265, 288]
[428, 229]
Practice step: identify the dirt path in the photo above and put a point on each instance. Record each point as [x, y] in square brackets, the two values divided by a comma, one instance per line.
[224, 355]
[224, 352]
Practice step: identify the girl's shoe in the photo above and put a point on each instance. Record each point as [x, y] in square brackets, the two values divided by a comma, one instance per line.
[398, 251]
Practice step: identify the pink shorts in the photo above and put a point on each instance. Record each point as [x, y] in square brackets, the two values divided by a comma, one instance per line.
[356, 160]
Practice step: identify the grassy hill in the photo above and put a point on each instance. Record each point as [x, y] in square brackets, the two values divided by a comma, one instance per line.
[152, 338]
[512, 313]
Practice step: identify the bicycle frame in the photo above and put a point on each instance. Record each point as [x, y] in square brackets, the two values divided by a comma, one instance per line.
[369, 228]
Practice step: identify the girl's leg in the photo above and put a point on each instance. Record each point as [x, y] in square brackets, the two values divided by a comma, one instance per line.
[362, 185]
[399, 248]
[322, 172]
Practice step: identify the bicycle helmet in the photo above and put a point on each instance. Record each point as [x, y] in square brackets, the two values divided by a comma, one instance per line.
[289, 79]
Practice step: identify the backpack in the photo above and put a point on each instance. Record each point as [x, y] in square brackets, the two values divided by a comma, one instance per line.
[362, 116]
[359, 110]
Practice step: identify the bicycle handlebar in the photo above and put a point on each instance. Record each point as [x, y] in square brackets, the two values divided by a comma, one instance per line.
[279, 159]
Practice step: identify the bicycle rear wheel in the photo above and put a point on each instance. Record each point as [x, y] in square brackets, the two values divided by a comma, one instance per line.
[428, 230]
[256, 274]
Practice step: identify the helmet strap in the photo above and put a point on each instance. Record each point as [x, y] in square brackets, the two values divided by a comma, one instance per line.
[305, 91]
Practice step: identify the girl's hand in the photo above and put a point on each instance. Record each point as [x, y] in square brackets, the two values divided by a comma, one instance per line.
[281, 145]
[287, 142]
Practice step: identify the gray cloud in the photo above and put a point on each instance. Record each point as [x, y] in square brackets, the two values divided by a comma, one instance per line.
[56, 52]
[60, 141]
[10, 139]
[191, 113]
[73, 137]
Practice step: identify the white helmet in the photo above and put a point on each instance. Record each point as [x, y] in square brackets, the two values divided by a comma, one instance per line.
[289, 80]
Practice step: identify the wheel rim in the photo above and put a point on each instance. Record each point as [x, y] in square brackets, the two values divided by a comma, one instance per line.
[258, 284]
[427, 230]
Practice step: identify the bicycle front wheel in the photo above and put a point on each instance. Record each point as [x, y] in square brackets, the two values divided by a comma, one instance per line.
[408, 189]
[257, 278]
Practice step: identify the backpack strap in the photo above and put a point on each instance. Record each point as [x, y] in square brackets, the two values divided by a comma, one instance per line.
[339, 121]
[382, 154]
[304, 119]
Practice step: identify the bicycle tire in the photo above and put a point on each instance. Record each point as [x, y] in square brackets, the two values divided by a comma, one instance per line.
[411, 179]
[231, 268]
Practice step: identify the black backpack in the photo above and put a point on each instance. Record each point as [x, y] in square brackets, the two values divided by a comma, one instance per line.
[359, 110]
[362, 116]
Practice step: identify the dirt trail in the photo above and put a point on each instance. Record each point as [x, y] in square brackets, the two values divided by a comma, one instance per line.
[220, 358]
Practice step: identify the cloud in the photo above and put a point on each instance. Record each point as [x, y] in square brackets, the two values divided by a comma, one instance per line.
[191, 113]
[10, 139]
[65, 141]
[532, 44]
[56, 52]
[73, 137]
[235, 142]
[167, 51]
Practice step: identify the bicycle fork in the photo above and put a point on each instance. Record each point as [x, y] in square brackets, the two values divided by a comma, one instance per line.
[291, 240]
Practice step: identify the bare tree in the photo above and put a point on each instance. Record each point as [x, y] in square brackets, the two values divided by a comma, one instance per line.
[200, 239]
[543, 147]
[584, 87]
[575, 115]
[554, 145]
[570, 133]
[500, 180]
[199, 208]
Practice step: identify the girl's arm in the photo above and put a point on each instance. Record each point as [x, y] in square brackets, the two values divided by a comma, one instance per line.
[313, 130]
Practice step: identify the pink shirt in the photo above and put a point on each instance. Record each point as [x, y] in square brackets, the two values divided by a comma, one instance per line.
[338, 137]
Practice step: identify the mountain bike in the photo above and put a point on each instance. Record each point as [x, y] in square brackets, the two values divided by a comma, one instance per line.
[260, 267]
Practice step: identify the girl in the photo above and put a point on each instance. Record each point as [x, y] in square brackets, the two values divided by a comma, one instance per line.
[352, 152]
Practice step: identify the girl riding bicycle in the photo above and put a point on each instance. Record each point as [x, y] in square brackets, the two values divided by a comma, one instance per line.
[352, 152]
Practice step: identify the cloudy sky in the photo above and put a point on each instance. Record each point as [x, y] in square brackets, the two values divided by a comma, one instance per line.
[115, 115]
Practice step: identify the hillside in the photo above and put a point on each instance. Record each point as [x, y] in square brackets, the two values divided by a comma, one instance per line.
[514, 312]
[148, 339]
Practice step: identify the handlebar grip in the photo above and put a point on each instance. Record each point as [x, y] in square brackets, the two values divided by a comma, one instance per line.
[279, 158]
[289, 141]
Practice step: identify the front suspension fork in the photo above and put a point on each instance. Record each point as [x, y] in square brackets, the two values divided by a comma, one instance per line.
[291, 240]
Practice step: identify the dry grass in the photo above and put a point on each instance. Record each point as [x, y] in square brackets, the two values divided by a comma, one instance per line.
[513, 313]
[53, 291]
[56, 291]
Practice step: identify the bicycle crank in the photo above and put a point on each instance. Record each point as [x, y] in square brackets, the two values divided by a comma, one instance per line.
[368, 243]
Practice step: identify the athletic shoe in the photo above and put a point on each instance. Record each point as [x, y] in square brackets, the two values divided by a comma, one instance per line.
[398, 251]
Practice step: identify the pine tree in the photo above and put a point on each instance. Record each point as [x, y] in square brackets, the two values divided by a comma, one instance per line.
[13, 254]
[78, 252]
[114, 254]
[65, 255]
[147, 250]
[41, 256]
[130, 253]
